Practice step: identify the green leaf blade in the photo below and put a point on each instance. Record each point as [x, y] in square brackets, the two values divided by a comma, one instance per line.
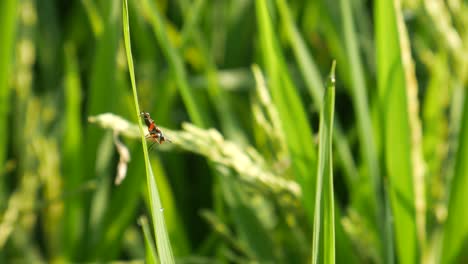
[323, 242]
[157, 211]
[397, 130]
[456, 227]
[290, 108]
[8, 10]
[151, 255]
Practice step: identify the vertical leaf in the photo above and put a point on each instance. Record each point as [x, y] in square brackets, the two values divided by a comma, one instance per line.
[101, 97]
[176, 63]
[370, 189]
[151, 255]
[314, 83]
[72, 148]
[400, 126]
[455, 240]
[359, 96]
[323, 242]
[157, 211]
[7, 31]
[290, 107]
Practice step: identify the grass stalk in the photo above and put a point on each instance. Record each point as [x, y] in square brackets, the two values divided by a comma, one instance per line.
[157, 211]
[323, 240]
[396, 132]
[176, 63]
[314, 84]
[291, 110]
[8, 9]
[151, 254]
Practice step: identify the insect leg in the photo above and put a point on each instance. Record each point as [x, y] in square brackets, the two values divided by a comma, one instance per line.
[151, 146]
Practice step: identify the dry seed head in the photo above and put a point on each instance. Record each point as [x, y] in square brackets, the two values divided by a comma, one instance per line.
[246, 162]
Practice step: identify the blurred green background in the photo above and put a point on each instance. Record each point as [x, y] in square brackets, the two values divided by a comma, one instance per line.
[240, 184]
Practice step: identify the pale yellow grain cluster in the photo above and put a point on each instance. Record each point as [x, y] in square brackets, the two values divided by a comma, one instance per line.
[245, 161]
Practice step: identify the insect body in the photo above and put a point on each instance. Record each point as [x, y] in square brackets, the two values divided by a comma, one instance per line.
[155, 132]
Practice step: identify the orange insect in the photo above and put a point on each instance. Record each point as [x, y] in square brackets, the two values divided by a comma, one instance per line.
[155, 133]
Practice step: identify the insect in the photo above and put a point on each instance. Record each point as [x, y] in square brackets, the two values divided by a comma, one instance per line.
[155, 132]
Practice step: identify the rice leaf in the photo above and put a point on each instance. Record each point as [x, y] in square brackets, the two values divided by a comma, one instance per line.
[370, 189]
[176, 63]
[398, 113]
[157, 211]
[456, 227]
[8, 10]
[290, 108]
[72, 149]
[360, 103]
[151, 255]
[311, 75]
[100, 97]
[323, 241]
[94, 17]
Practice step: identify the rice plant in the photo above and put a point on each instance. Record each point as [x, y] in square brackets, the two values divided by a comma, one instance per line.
[294, 131]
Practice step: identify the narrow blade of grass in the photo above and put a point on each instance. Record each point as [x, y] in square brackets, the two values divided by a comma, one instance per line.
[323, 241]
[8, 29]
[151, 255]
[290, 108]
[94, 17]
[398, 121]
[368, 149]
[72, 150]
[157, 212]
[219, 97]
[360, 103]
[175, 62]
[175, 227]
[314, 83]
[100, 97]
[193, 15]
[456, 227]
[306, 63]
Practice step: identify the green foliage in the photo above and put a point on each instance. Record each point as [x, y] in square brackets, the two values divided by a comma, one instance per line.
[323, 241]
[151, 255]
[160, 232]
[456, 231]
[268, 163]
[7, 27]
[290, 108]
[398, 145]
